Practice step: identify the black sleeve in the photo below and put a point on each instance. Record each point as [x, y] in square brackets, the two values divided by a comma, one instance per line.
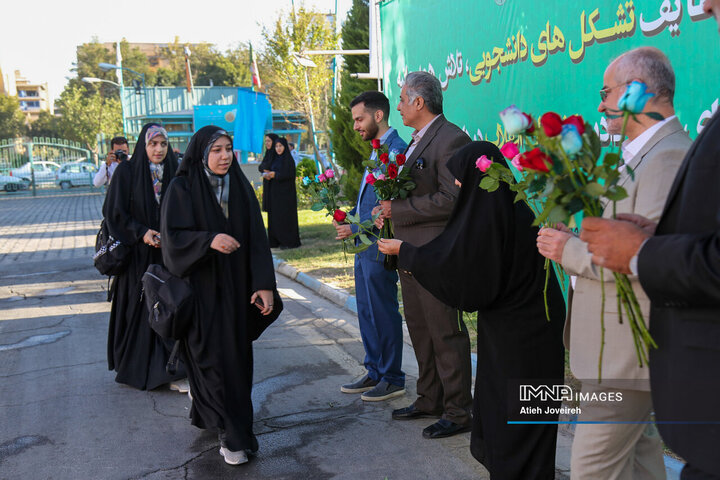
[262, 271]
[287, 169]
[692, 261]
[183, 246]
[117, 209]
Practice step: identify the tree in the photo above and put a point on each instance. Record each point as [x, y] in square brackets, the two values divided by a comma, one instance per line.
[46, 125]
[350, 149]
[86, 114]
[12, 120]
[306, 30]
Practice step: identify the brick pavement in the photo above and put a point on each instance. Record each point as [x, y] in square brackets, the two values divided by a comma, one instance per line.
[45, 228]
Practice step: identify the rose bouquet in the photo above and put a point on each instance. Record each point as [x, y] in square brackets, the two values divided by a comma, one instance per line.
[325, 191]
[390, 181]
[562, 172]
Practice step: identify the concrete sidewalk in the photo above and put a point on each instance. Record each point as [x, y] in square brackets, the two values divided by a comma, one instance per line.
[62, 416]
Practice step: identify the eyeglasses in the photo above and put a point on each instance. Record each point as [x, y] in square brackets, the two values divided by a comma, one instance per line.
[605, 91]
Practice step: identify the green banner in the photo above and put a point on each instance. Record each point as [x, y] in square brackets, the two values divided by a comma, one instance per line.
[543, 56]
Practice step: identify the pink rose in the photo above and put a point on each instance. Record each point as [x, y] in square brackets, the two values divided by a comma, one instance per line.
[329, 173]
[516, 162]
[381, 176]
[370, 179]
[510, 150]
[483, 163]
[322, 178]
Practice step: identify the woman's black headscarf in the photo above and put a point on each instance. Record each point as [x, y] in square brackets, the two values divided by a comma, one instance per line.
[488, 246]
[279, 160]
[141, 195]
[245, 220]
[269, 153]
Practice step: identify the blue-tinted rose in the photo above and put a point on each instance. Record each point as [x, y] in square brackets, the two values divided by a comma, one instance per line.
[634, 98]
[570, 139]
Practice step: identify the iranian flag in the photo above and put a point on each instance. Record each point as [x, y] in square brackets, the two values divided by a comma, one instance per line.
[254, 70]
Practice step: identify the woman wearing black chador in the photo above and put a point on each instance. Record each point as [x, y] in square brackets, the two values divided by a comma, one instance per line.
[280, 197]
[213, 237]
[132, 215]
[486, 261]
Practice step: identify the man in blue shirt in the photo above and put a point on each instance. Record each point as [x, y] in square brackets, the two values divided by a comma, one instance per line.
[375, 287]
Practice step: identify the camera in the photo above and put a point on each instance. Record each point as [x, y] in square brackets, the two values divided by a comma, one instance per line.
[120, 155]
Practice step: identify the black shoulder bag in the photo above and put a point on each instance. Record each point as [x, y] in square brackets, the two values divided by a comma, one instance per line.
[170, 300]
[111, 256]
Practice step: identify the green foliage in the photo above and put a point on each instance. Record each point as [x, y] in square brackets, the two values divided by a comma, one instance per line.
[86, 114]
[306, 168]
[285, 80]
[46, 125]
[350, 149]
[12, 120]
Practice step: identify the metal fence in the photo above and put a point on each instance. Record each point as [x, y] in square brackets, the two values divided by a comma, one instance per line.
[45, 165]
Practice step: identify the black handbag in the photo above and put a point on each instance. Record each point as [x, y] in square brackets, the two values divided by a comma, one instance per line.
[259, 322]
[111, 255]
[170, 300]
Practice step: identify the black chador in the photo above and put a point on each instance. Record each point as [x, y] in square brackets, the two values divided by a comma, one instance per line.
[135, 351]
[486, 261]
[265, 165]
[281, 197]
[218, 350]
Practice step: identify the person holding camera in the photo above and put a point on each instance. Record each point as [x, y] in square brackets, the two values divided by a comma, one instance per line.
[119, 151]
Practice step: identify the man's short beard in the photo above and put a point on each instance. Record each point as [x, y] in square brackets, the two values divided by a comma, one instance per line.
[371, 131]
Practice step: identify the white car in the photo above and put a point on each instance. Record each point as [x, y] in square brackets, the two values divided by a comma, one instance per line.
[44, 172]
[13, 184]
[75, 175]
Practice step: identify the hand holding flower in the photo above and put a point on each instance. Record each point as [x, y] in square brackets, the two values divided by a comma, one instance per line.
[389, 246]
[551, 243]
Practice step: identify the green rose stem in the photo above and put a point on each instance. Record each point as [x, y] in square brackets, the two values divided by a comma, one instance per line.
[626, 298]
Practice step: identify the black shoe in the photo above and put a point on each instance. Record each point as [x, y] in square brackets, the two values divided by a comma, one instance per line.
[410, 413]
[444, 428]
[363, 385]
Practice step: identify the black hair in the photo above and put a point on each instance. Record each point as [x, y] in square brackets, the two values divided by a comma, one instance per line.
[373, 101]
[118, 141]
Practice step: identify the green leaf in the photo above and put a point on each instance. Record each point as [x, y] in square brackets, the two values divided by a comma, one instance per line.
[520, 196]
[353, 218]
[558, 214]
[488, 183]
[594, 189]
[316, 207]
[611, 159]
[364, 239]
[616, 193]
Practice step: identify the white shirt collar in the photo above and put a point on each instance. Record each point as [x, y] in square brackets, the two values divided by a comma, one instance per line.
[633, 148]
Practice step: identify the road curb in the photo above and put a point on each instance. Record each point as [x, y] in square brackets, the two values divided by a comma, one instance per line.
[347, 301]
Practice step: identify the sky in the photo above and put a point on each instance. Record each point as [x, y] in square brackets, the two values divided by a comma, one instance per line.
[39, 38]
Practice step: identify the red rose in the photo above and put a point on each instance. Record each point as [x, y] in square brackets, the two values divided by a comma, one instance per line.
[535, 159]
[576, 120]
[400, 159]
[551, 124]
[375, 143]
[371, 179]
[392, 171]
[531, 127]
[339, 216]
[384, 158]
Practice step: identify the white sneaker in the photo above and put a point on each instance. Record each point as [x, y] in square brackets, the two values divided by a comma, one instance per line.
[182, 385]
[233, 458]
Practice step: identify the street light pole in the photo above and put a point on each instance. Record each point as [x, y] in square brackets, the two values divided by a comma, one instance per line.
[307, 63]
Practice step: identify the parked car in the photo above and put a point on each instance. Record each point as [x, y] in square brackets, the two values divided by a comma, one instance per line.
[44, 171]
[75, 175]
[13, 184]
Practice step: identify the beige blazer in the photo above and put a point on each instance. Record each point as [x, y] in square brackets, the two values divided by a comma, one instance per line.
[423, 214]
[655, 167]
